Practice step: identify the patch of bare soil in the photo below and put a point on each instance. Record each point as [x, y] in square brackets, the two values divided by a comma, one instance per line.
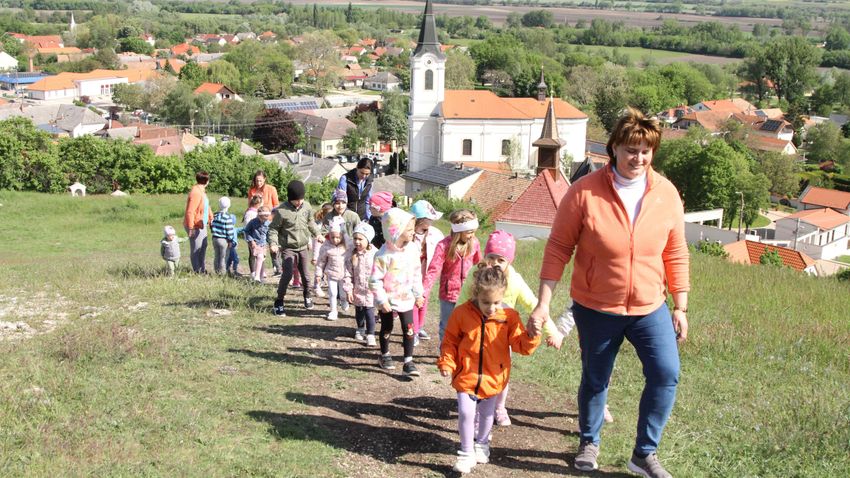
[390, 425]
[23, 315]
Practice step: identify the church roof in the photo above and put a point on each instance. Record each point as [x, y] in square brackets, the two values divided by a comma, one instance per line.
[428, 42]
[538, 204]
[549, 136]
[482, 104]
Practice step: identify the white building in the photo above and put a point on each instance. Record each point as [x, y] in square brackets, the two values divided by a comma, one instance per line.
[66, 86]
[476, 126]
[7, 62]
[820, 233]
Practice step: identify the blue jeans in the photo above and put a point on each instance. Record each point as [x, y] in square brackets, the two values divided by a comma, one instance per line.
[446, 309]
[600, 337]
[232, 263]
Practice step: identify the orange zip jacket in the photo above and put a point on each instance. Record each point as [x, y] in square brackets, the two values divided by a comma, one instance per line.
[619, 268]
[194, 217]
[477, 349]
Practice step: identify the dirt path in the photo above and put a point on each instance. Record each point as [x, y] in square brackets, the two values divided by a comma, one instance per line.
[391, 426]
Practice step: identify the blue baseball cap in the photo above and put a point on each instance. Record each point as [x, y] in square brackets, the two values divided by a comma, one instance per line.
[423, 209]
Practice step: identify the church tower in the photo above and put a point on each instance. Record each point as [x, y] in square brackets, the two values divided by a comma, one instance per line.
[72, 25]
[427, 91]
[549, 144]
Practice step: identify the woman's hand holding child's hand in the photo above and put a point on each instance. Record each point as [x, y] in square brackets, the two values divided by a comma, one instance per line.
[350, 298]
[445, 373]
[385, 308]
[555, 340]
[420, 301]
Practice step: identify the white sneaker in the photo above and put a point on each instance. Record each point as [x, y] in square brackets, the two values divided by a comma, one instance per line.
[359, 336]
[370, 340]
[415, 340]
[482, 453]
[332, 315]
[607, 415]
[465, 462]
[319, 292]
[345, 307]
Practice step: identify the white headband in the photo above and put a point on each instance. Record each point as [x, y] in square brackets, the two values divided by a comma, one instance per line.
[470, 225]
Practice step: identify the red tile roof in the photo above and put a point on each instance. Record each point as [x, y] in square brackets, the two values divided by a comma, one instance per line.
[480, 104]
[825, 218]
[212, 88]
[749, 252]
[495, 192]
[826, 198]
[710, 120]
[538, 204]
[185, 49]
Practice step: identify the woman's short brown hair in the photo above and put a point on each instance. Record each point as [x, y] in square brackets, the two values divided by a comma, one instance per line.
[632, 128]
[202, 177]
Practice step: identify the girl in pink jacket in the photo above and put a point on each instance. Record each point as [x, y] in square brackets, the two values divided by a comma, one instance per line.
[425, 238]
[358, 268]
[453, 259]
[331, 264]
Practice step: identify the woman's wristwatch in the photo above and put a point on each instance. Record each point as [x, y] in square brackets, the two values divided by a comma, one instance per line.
[681, 309]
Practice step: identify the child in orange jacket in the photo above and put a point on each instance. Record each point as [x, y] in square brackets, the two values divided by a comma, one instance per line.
[476, 353]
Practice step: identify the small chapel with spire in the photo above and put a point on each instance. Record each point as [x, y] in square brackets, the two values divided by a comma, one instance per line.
[477, 126]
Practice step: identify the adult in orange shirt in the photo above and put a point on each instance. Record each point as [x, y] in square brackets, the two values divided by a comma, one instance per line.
[198, 215]
[260, 187]
[625, 226]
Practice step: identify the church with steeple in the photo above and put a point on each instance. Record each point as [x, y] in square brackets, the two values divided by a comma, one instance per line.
[477, 126]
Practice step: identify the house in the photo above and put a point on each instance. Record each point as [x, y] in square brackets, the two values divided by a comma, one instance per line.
[776, 128]
[670, 116]
[383, 81]
[356, 51]
[219, 91]
[68, 86]
[296, 103]
[267, 36]
[817, 198]
[323, 135]
[58, 120]
[770, 113]
[68, 50]
[456, 179]
[8, 62]
[368, 42]
[820, 233]
[310, 169]
[148, 38]
[765, 143]
[732, 105]
[495, 191]
[184, 49]
[164, 141]
[749, 252]
[210, 39]
[246, 36]
[40, 41]
[712, 121]
[230, 39]
[16, 80]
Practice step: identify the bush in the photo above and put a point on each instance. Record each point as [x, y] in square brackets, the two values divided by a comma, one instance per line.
[771, 258]
[843, 275]
[441, 202]
[321, 192]
[711, 248]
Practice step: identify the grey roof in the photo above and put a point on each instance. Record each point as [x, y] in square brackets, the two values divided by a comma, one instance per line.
[772, 125]
[384, 77]
[594, 147]
[311, 169]
[298, 103]
[583, 169]
[392, 183]
[247, 150]
[443, 175]
[127, 132]
[323, 128]
[64, 117]
[428, 42]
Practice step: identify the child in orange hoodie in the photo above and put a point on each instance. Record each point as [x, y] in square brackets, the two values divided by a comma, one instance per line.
[476, 353]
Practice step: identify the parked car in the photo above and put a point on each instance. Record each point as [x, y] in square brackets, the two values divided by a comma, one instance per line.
[341, 158]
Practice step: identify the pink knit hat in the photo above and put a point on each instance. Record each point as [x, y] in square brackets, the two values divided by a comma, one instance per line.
[501, 243]
[382, 200]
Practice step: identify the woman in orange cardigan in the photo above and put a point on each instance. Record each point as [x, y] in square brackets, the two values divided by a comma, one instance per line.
[476, 353]
[625, 226]
[259, 187]
[198, 215]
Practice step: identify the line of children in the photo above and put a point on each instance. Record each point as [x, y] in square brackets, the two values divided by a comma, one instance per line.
[358, 268]
[476, 353]
[331, 265]
[396, 283]
[426, 239]
[453, 259]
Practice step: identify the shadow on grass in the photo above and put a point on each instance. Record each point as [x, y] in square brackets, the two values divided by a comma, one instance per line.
[138, 271]
[323, 357]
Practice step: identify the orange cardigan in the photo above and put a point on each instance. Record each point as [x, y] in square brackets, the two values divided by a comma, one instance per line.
[619, 268]
[194, 218]
[477, 349]
[269, 193]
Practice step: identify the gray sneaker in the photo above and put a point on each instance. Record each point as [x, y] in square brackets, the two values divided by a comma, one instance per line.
[649, 467]
[586, 457]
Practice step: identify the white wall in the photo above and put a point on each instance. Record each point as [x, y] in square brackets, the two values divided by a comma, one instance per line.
[808, 238]
[423, 143]
[82, 130]
[93, 87]
[459, 189]
[520, 231]
[697, 232]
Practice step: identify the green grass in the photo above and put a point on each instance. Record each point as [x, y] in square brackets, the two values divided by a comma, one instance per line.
[761, 221]
[844, 259]
[636, 54]
[157, 390]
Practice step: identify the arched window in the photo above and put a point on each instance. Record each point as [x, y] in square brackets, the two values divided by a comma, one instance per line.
[429, 79]
[506, 147]
[467, 147]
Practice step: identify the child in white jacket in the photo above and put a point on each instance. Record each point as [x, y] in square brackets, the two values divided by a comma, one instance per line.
[358, 268]
[331, 264]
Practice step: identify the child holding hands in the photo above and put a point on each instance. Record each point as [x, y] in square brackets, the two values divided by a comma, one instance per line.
[256, 234]
[331, 264]
[358, 268]
[476, 353]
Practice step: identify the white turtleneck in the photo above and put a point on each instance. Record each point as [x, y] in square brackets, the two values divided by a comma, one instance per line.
[631, 192]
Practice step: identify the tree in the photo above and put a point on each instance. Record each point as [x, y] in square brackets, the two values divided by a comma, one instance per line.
[238, 117]
[363, 136]
[609, 99]
[392, 118]
[318, 52]
[825, 142]
[132, 96]
[107, 59]
[135, 45]
[781, 171]
[754, 70]
[192, 74]
[760, 30]
[224, 72]
[538, 18]
[770, 257]
[790, 63]
[837, 38]
[276, 130]
[460, 70]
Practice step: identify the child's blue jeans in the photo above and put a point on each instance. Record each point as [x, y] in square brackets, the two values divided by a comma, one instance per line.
[600, 336]
[232, 259]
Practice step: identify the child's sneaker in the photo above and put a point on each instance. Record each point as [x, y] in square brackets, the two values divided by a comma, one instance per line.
[319, 292]
[586, 457]
[607, 415]
[415, 340]
[649, 467]
[465, 462]
[359, 336]
[278, 308]
[410, 369]
[482, 453]
[502, 418]
[332, 315]
[386, 362]
[370, 340]
[308, 304]
[345, 307]
[424, 335]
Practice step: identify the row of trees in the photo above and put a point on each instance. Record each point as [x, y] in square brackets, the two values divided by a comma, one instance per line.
[30, 160]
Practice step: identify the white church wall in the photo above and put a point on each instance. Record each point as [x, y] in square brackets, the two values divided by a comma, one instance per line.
[520, 231]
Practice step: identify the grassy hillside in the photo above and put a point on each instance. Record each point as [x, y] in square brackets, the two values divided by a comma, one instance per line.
[130, 373]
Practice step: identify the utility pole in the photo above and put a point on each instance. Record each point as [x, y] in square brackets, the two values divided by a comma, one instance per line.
[741, 216]
[796, 231]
